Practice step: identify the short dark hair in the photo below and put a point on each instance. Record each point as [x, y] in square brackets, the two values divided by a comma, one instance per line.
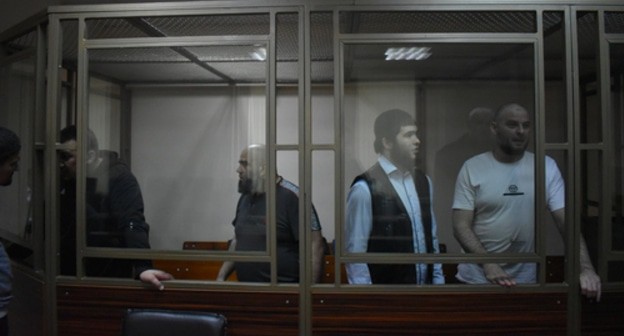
[71, 133]
[388, 124]
[10, 144]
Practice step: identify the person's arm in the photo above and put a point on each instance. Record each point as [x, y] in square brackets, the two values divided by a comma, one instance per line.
[465, 235]
[154, 277]
[318, 255]
[358, 226]
[228, 266]
[589, 280]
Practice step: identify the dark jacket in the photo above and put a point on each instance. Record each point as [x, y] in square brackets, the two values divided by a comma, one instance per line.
[114, 219]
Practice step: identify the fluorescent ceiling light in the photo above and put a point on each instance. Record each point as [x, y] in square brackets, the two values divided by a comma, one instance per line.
[408, 54]
[259, 54]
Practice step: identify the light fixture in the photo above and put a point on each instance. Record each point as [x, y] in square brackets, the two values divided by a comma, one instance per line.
[259, 54]
[408, 54]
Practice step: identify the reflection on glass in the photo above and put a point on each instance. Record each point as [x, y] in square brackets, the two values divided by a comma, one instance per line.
[114, 208]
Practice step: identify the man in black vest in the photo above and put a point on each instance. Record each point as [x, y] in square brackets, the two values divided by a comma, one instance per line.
[389, 208]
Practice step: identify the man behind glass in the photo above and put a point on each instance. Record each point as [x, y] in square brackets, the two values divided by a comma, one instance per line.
[389, 208]
[494, 207]
[9, 158]
[250, 228]
[114, 211]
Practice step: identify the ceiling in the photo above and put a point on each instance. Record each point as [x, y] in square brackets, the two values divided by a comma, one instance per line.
[234, 62]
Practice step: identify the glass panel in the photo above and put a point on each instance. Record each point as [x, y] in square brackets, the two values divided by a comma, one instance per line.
[323, 198]
[213, 25]
[591, 191]
[614, 22]
[591, 117]
[437, 22]
[166, 165]
[617, 122]
[322, 54]
[555, 75]
[17, 89]
[287, 79]
[555, 247]
[67, 116]
[287, 41]
[406, 102]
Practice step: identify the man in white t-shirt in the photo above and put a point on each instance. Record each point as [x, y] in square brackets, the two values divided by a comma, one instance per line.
[494, 206]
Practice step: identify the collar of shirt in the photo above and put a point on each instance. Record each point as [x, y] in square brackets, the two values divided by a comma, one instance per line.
[389, 168]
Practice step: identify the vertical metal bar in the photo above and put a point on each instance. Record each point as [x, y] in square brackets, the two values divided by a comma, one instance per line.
[271, 148]
[51, 187]
[607, 151]
[82, 124]
[338, 133]
[306, 279]
[39, 176]
[573, 213]
[540, 140]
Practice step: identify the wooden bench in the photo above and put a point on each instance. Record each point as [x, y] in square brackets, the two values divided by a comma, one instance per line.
[329, 271]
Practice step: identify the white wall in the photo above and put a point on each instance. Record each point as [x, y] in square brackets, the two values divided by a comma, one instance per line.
[185, 149]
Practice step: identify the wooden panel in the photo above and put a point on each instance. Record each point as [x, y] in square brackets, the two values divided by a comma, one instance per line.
[192, 269]
[195, 269]
[206, 245]
[98, 310]
[208, 270]
[439, 314]
[604, 318]
[329, 270]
